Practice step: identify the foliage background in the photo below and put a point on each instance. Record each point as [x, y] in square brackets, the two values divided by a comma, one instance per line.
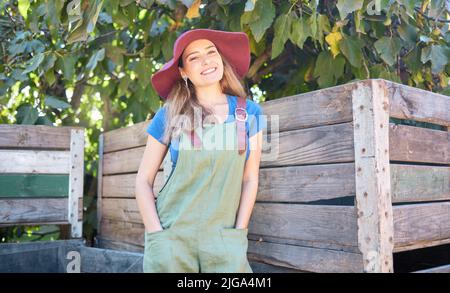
[88, 62]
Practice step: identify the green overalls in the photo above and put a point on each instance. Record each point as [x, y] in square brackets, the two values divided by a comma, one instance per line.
[197, 207]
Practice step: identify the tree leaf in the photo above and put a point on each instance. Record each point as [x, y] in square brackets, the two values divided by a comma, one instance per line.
[388, 48]
[260, 18]
[300, 31]
[23, 8]
[193, 10]
[439, 56]
[33, 63]
[348, 6]
[249, 5]
[351, 48]
[26, 114]
[333, 40]
[56, 103]
[282, 33]
[328, 69]
[98, 56]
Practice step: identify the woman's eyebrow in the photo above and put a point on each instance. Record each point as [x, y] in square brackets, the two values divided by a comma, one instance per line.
[198, 52]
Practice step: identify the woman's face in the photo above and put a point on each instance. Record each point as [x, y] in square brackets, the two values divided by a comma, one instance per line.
[202, 63]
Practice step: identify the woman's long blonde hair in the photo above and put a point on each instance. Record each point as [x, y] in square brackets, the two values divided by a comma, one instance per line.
[182, 101]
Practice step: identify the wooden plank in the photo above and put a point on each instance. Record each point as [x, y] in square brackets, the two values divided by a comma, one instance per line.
[420, 245]
[260, 267]
[33, 161]
[117, 245]
[373, 187]
[125, 161]
[414, 183]
[327, 224]
[326, 106]
[33, 185]
[123, 185]
[440, 269]
[317, 145]
[121, 209]
[124, 232]
[100, 181]
[76, 178]
[408, 102]
[35, 136]
[421, 223]
[126, 137]
[416, 144]
[36, 211]
[297, 184]
[305, 258]
[96, 260]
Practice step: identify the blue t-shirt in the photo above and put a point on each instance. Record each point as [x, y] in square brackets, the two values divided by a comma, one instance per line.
[256, 122]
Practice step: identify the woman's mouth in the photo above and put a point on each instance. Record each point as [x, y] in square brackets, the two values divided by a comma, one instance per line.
[209, 71]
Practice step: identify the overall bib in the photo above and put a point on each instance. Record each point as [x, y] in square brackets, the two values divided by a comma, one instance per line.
[197, 207]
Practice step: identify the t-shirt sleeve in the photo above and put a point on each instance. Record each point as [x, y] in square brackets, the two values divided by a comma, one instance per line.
[257, 119]
[157, 125]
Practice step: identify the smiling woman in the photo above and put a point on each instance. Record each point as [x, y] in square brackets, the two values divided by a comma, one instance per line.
[197, 222]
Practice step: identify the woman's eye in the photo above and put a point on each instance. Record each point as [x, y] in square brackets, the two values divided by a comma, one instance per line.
[212, 52]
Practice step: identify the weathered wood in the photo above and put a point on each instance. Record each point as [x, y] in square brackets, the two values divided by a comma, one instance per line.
[118, 245]
[100, 182]
[126, 137]
[326, 106]
[408, 102]
[421, 223]
[317, 145]
[121, 209]
[440, 269]
[373, 192]
[35, 136]
[420, 245]
[36, 211]
[263, 268]
[416, 144]
[76, 180]
[32, 161]
[298, 184]
[304, 258]
[328, 224]
[414, 183]
[96, 260]
[33, 185]
[125, 232]
[124, 161]
[123, 185]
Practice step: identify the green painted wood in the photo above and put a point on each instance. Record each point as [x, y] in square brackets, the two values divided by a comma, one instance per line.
[34, 185]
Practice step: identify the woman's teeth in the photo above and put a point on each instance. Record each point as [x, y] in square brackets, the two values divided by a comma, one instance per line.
[209, 71]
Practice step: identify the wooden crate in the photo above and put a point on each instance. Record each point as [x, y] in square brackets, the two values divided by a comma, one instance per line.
[41, 176]
[346, 190]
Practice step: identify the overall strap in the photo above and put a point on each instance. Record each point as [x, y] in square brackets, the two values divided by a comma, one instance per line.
[240, 115]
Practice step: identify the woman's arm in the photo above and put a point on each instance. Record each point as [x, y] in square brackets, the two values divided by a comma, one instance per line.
[250, 181]
[151, 161]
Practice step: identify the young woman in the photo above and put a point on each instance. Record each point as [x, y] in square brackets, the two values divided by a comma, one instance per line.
[197, 222]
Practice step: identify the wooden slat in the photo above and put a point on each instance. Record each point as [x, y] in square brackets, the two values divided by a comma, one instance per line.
[317, 145]
[416, 144]
[124, 232]
[328, 224]
[421, 223]
[35, 136]
[298, 184]
[34, 211]
[76, 179]
[126, 137]
[373, 187]
[33, 185]
[305, 258]
[414, 183]
[32, 161]
[123, 186]
[121, 209]
[118, 245]
[408, 102]
[100, 181]
[326, 106]
[126, 161]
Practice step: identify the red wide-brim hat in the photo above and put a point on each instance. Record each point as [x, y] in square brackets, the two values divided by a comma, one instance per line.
[234, 46]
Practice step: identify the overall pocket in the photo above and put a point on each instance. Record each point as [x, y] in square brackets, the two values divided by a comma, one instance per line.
[157, 251]
[236, 245]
